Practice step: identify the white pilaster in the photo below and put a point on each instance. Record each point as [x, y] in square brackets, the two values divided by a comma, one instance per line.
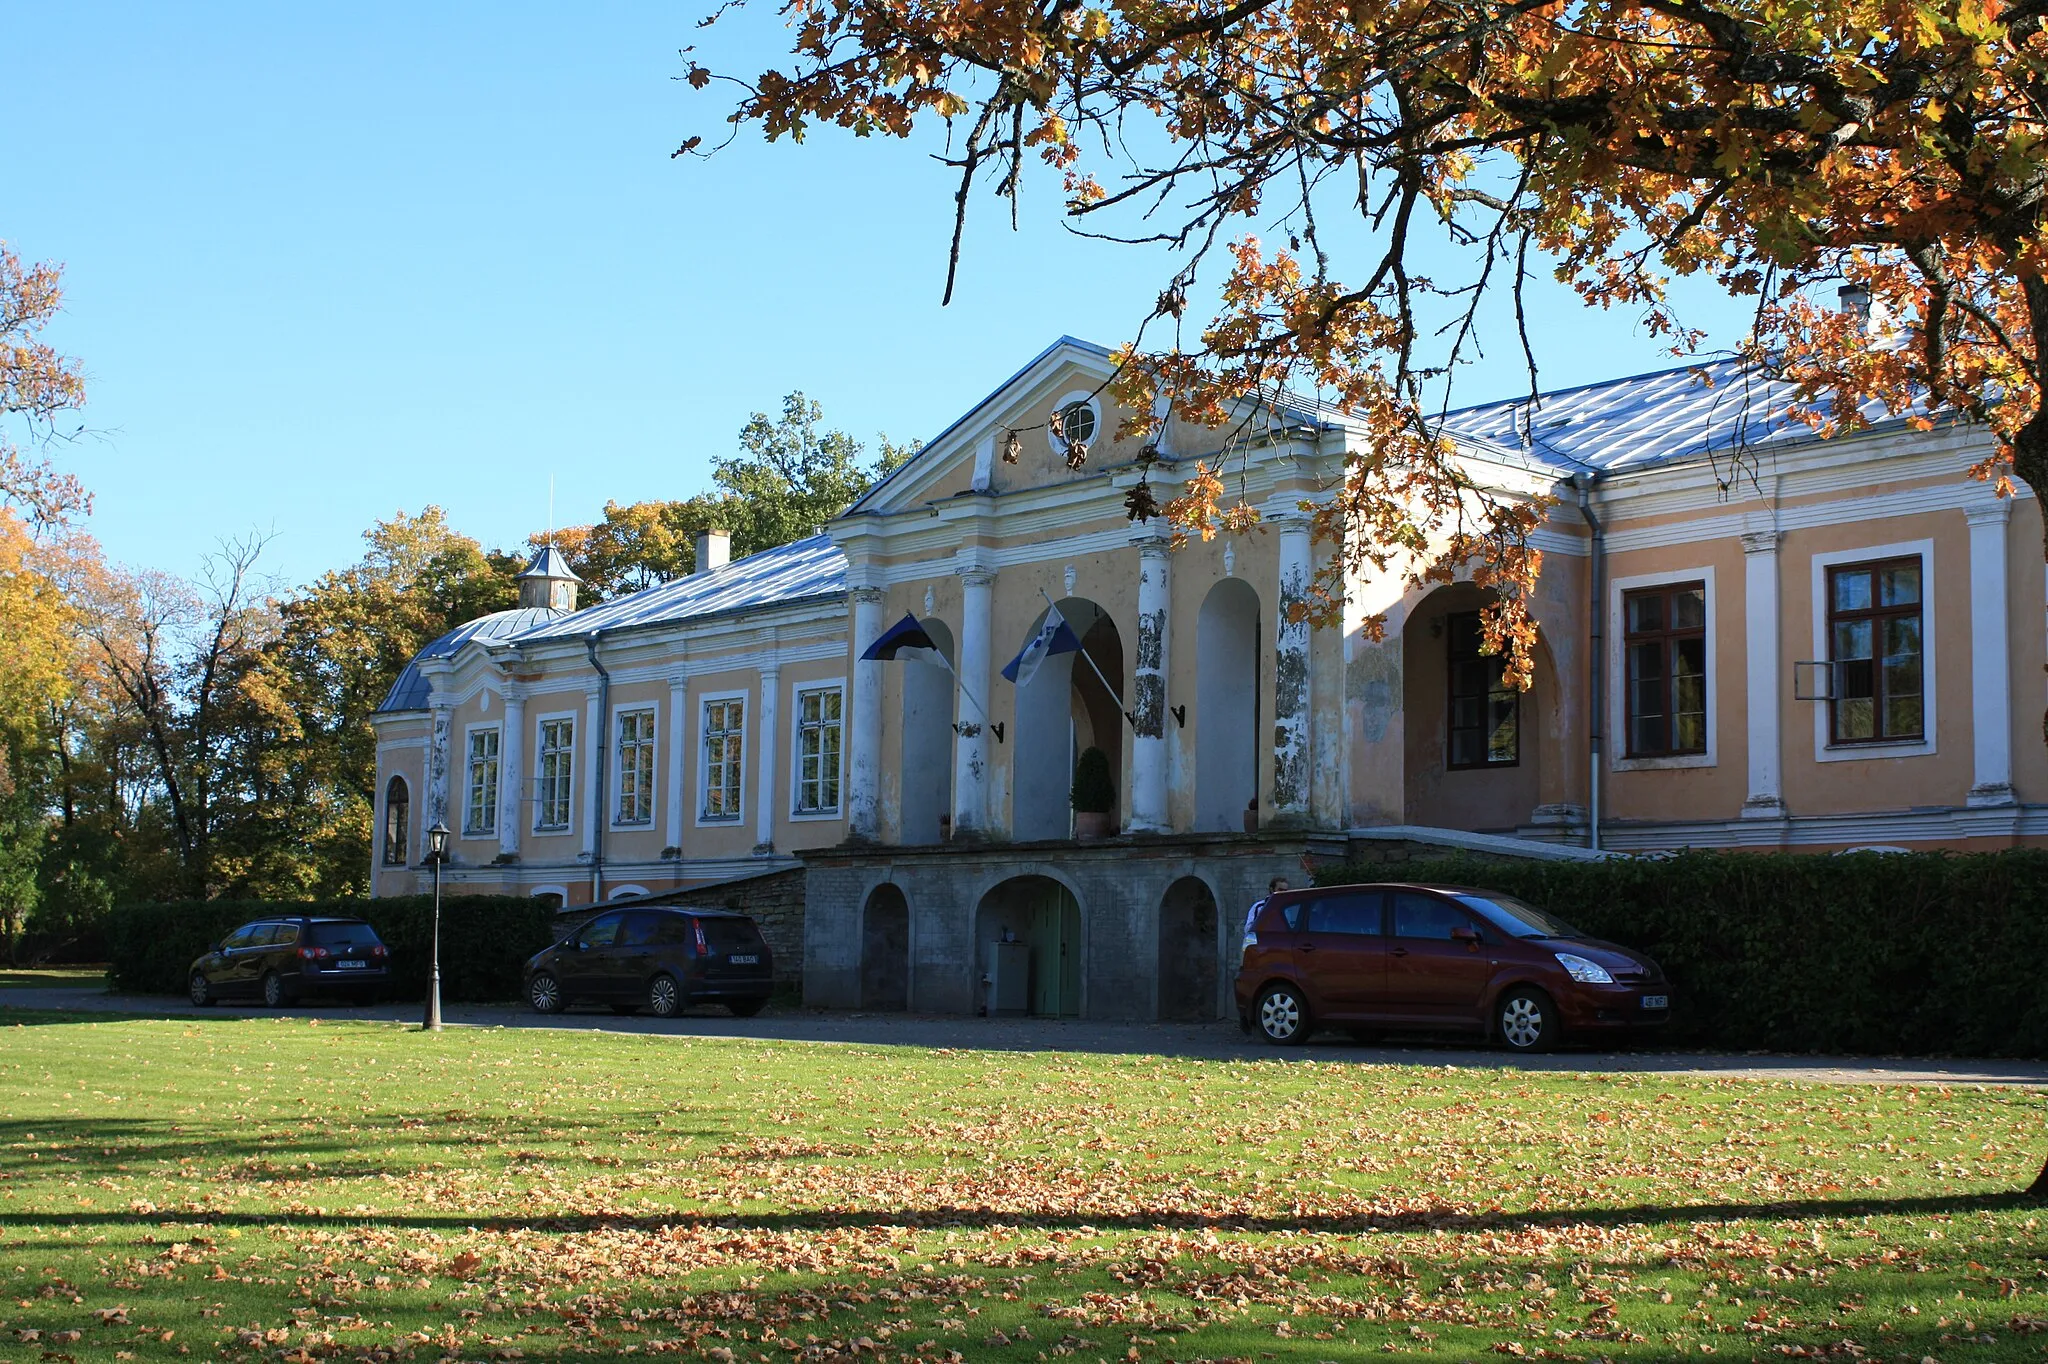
[678, 724]
[970, 754]
[512, 774]
[1149, 812]
[864, 744]
[765, 735]
[1990, 656]
[443, 713]
[594, 740]
[1766, 799]
[1290, 672]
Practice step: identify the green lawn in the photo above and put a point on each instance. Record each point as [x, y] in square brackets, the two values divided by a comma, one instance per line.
[45, 977]
[285, 1190]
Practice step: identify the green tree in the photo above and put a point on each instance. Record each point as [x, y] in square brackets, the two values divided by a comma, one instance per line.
[790, 477]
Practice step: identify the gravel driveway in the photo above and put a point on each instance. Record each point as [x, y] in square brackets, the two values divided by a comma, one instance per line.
[1212, 1041]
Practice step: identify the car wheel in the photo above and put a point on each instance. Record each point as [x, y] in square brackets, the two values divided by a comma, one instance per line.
[1526, 1020]
[275, 995]
[746, 1008]
[664, 996]
[202, 989]
[1282, 1017]
[544, 993]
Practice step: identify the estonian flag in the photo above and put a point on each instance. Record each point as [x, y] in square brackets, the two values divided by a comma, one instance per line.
[906, 641]
[1053, 637]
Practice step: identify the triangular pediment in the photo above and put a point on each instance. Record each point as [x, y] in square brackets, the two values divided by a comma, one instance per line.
[968, 457]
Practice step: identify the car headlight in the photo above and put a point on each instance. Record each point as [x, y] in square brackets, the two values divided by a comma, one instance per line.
[1583, 971]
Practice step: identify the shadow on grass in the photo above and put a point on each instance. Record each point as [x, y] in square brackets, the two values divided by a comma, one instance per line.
[971, 1219]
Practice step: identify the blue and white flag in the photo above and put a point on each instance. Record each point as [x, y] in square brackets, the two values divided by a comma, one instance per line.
[1055, 636]
[906, 641]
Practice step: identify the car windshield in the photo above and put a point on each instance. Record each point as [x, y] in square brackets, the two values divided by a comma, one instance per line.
[344, 935]
[1516, 918]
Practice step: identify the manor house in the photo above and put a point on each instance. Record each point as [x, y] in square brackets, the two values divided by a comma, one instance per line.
[1844, 647]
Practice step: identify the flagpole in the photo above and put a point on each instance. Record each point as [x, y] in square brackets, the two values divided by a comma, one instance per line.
[1083, 651]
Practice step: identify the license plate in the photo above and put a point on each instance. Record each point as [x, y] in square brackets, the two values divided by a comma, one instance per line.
[351, 965]
[1656, 1001]
[750, 959]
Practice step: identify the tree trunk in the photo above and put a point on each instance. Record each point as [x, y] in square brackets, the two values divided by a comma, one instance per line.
[2030, 465]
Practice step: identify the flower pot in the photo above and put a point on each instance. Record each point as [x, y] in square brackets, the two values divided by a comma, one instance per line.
[1091, 826]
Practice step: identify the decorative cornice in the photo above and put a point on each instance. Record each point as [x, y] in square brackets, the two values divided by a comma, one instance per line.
[867, 596]
[1761, 541]
[1997, 513]
[978, 577]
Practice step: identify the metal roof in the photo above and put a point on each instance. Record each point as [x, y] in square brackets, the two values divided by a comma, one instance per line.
[411, 690]
[1644, 419]
[809, 568]
[549, 563]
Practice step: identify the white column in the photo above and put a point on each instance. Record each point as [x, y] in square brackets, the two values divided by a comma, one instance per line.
[1764, 701]
[678, 726]
[764, 780]
[443, 713]
[970, 754]
[864, 744]
[1990, 660]
[1290, 673]
[594, 740]
[1149, 812]
[512, 774]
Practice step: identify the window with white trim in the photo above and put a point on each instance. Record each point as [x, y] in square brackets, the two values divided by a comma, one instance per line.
[480, 808]
[636, 767]
[1664, 639]
[724, 755]
[555, 771]
[820, 739]
[1874, 643]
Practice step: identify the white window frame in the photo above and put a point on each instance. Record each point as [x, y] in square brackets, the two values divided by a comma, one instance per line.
[796, 749]
[1094, 404]
[469, 733]
[738, 814]
[649, 743]
[540, 724]
[1617, 672]
[1825, 751]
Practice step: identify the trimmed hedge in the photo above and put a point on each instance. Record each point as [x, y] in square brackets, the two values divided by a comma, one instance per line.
[1886, 953]
[485, 939]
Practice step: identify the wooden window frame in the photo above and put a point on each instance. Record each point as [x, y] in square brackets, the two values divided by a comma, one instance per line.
[1667, 638]
[1452, 658]
[1877, 615]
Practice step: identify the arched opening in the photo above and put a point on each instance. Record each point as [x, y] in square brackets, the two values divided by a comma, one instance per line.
[397, 822]
[885, 950]
[1472, 756]
[627, 893]
[1187, 952]
[555, 898]
[1062, 709]
[925, 796]
[1027, 934]
[1226, 706]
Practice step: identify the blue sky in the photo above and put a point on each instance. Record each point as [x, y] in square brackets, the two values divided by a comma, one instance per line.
[324, 266]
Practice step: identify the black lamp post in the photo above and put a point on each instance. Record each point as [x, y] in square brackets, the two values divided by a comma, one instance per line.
[437, 853]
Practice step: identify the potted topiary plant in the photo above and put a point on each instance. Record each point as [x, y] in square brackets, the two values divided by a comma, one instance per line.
[1093, 796]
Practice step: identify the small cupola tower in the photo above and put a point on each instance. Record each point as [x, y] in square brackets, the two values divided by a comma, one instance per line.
[548, 582]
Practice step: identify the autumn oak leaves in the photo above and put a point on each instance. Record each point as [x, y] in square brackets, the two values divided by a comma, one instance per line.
[1774, 148]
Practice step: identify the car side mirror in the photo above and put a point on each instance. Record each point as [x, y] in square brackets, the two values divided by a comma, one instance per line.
[1465, 935]
[579, 944]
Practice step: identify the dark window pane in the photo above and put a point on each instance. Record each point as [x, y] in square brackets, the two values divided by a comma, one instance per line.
[603, 930]
[1852, 639]
[344, 935]
[1689, 609]
[1645, 613]
[242, 937]
[1466, 635]
[1899, 586]
[1503, 737]
[1852, 590]
[641, 930]
[1467, 750]
[731, 935]
[1358, 915]
[1855, 719]
[1421, 916]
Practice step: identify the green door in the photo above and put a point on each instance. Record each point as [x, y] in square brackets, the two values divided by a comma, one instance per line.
[1056, 954]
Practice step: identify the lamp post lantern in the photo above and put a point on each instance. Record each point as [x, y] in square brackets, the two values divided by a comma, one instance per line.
[437, 853]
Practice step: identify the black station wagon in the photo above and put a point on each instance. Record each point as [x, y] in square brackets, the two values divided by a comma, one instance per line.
[656, 958]
[278, 960]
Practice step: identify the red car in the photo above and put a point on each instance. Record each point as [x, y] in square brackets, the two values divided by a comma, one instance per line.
[1437, 958]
